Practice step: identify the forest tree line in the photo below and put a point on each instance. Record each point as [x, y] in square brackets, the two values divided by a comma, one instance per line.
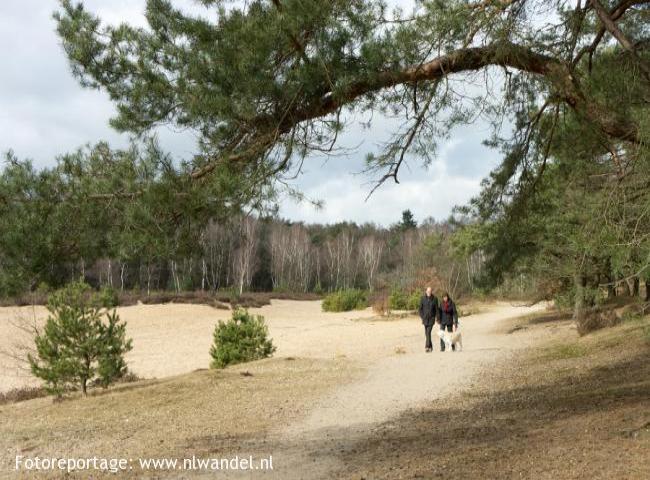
[59, 230]
[125, 219]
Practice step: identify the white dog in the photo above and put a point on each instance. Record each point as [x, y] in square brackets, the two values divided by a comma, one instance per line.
[451, 338]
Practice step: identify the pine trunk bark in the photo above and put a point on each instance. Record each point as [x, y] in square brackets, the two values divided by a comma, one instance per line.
[579, 305]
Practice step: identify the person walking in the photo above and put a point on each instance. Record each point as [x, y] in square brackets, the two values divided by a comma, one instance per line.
[428, 311]
[448, 318]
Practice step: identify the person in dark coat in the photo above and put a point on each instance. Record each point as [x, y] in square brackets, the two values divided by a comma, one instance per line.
[428, 311]
[448, 316]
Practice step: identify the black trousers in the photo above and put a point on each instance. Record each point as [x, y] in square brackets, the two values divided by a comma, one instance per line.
[427, 335]
[442, 342]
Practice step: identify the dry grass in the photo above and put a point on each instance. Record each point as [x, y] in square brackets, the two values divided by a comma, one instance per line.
[391, 316]
[201, 413]
[572, 408]
[215, 299]
[21, 394]
[563, 351]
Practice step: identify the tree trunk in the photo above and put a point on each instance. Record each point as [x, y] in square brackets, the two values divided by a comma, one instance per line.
[579, 304]
[626, 288]
[148, 280]
[611, 289]
[122, 268]
[647, 289]
[204, 274]
[635, 286]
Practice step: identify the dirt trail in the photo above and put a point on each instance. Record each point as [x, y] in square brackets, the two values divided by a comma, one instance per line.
[393, 383]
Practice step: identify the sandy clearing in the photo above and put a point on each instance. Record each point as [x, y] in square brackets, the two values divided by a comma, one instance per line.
[172, 339]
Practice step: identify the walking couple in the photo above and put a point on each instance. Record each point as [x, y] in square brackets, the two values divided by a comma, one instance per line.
[444, 312]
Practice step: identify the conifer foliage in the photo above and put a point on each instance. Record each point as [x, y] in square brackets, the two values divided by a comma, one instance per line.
[81, 344]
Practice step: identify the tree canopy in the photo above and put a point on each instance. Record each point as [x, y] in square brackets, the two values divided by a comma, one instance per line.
[266, 82]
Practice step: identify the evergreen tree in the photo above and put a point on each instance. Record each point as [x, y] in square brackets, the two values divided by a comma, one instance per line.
[408, 221]
[77, 347]
[269, 81]
[243, 338]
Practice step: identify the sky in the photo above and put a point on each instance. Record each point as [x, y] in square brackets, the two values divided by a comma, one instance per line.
[44, 112]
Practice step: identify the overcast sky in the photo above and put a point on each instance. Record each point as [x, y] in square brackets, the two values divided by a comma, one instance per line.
[44, 112]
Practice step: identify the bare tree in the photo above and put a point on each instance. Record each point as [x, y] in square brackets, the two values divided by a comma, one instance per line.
[291, 257]
[370, 250]
[218, 241]
[244, 256]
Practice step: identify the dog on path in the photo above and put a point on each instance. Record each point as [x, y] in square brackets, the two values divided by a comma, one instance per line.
[451, 338]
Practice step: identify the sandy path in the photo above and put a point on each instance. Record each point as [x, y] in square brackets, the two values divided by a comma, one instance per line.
[392, 384]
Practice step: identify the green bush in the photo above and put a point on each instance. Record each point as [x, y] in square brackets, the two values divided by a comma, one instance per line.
[243, 338]
[108, 297]
[400, 300]
[345, 300]
[77, 346]
[43, 288]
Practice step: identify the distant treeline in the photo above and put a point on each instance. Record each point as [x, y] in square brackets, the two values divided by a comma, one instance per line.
[127, 220]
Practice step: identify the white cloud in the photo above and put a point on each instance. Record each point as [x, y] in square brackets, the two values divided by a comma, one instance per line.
[345, 200]
[431, 192]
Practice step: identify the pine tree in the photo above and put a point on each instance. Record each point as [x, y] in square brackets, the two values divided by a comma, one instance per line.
[76, 347]
[408, 221]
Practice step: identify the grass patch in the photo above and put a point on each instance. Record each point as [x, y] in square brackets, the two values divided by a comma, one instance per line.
[389, 317]
[646, 334]
[565, 351]
[634, 329]
[21, 394]
[213, 411]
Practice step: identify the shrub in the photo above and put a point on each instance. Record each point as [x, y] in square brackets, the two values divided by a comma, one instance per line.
[108, 297]
[413, 301]
[43, 288]
[76, 346]
[595, 319]
[345, 300]
[565, 351]
[21, 394]
[400, 300]
[243, 338]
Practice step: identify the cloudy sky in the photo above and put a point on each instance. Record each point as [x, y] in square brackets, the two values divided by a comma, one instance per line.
[44, 113]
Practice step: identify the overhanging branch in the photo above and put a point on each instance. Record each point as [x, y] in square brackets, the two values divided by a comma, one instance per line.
[559, 74]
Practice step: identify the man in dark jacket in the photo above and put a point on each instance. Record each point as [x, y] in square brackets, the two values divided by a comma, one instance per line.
[428, 311]
[448, 318]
